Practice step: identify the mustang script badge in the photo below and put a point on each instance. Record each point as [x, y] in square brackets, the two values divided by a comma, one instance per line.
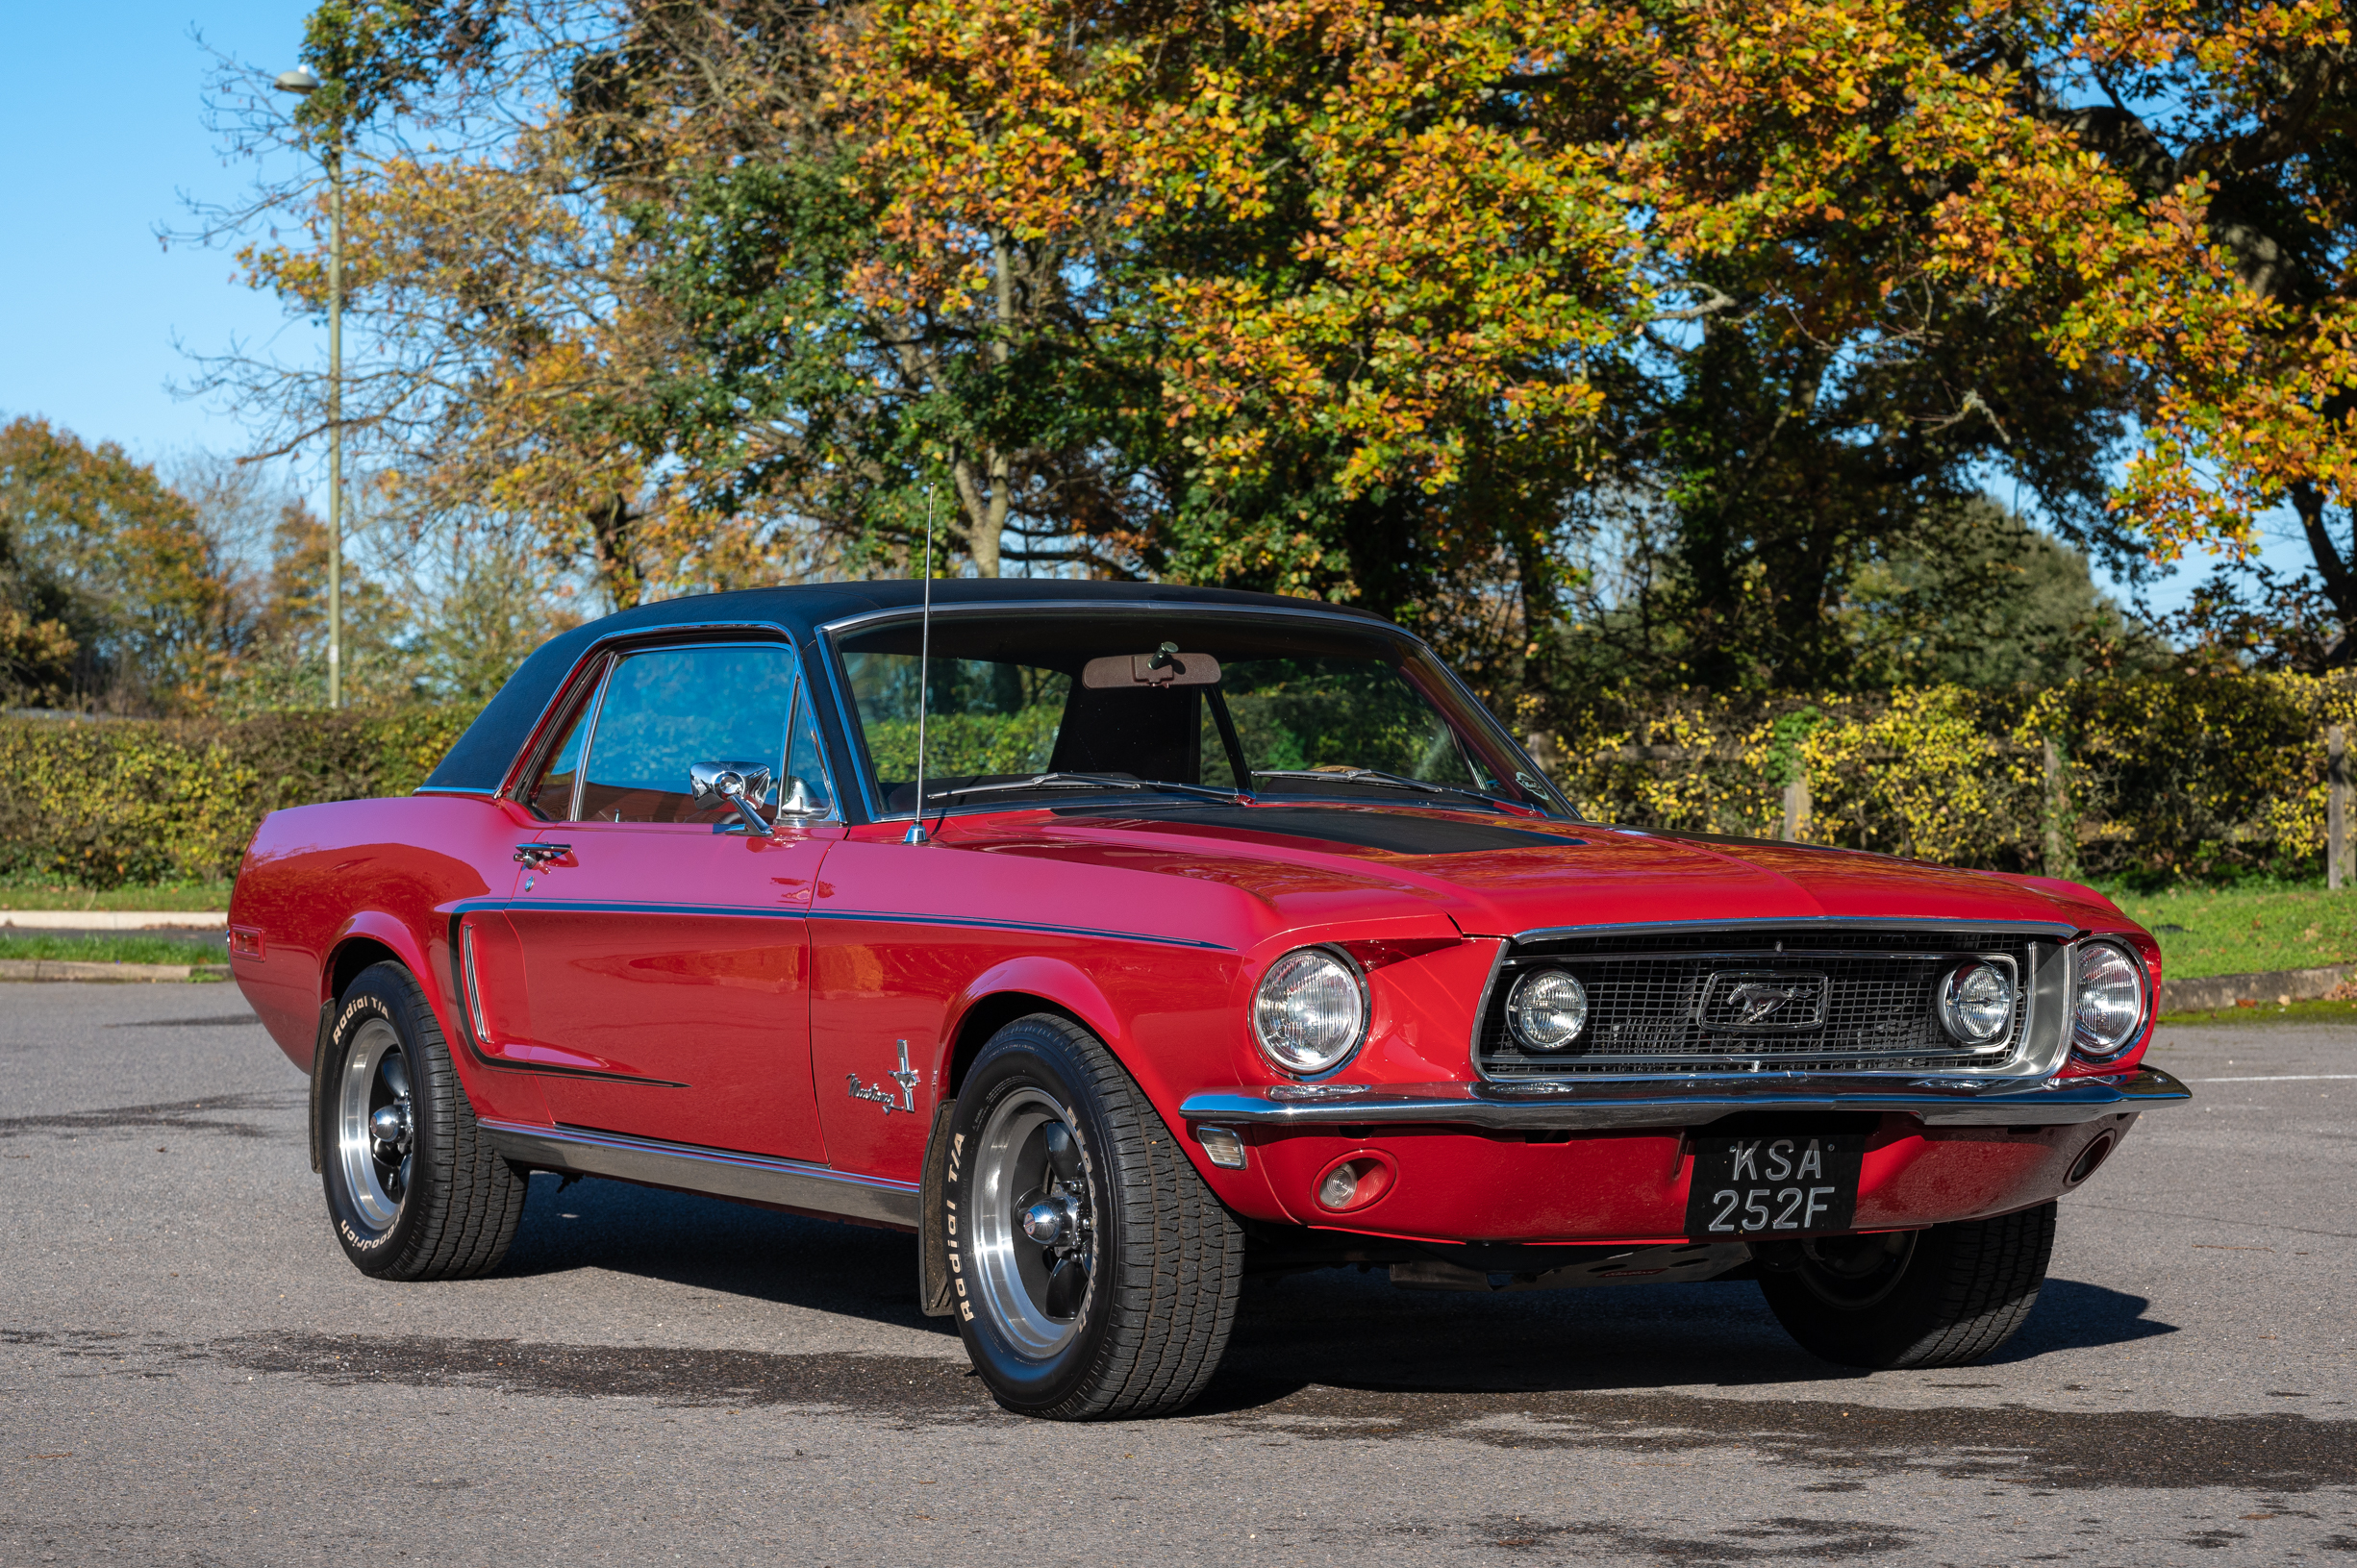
[907, 1078]
[1762, 999]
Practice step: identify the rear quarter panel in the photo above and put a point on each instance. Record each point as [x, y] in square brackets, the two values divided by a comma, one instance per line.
[318, 878]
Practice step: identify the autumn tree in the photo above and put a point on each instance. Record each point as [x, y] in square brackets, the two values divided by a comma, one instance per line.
[115, 594]
[1380, 302]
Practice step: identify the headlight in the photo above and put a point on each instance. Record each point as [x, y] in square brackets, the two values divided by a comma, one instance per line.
[1309, 1011]
[2108, 1002]
[1976, 1003]
[1547, 1009]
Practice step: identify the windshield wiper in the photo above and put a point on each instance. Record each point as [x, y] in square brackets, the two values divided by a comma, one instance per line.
[1376, 776]
[1081, 781]
[1358, 776]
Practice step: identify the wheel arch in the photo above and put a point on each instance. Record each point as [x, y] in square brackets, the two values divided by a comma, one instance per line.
[1015, 989]
[371, 938]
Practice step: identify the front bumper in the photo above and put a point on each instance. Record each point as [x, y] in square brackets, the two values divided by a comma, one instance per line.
[1628, 1104]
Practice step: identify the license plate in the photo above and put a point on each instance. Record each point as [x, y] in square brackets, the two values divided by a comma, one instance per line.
[1774, 1184]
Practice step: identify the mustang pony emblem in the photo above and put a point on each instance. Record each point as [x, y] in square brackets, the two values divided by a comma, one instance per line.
[1757, 1000]
[907, 1078]
[1763, 1000]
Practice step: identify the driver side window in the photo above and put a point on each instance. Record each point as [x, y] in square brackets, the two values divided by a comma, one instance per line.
[665, 709]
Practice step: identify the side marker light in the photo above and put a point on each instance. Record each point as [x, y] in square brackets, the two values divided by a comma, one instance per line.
[1223, 1146]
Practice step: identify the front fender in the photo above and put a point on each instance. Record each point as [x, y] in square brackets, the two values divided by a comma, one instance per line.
[1053, 980]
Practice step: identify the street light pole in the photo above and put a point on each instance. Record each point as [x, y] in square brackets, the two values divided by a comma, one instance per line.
[303, 82]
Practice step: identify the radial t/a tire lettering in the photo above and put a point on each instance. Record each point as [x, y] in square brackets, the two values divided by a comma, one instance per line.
[414, 1189]
[1942, 1297]
[1092, 1272]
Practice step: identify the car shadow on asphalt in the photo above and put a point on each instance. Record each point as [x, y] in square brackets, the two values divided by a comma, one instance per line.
[1339, 1329]
[1357, 1333]
[713, 1244]
[2074, 1315]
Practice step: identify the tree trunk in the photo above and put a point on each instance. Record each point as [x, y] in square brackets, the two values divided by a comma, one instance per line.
[610, 528]
[2339, 585]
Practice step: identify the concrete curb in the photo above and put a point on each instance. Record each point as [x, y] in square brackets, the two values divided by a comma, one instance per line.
[2214, 991]
[74, 969]
[114, 919]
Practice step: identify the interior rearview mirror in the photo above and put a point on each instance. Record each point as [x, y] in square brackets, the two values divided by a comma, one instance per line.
[1164, 666]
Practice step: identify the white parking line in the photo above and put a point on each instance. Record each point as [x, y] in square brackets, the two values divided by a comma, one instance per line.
[2281, 1078]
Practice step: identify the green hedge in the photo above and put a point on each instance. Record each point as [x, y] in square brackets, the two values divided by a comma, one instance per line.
[2151, 779]
[2156, 776]
[104, 803]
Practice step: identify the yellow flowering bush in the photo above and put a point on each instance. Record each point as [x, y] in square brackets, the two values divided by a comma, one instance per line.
[2173, 774]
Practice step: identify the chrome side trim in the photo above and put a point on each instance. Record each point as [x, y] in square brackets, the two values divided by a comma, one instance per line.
[1040, 928]
[521, 904]
[757, 1179]
[1624, 1103]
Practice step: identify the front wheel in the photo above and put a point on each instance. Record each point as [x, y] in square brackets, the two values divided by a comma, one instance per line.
[414, 1189]
[1941, 1297]
[1093, 1273]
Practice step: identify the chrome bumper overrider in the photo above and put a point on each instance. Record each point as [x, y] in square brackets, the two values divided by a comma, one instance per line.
[1935, 1100]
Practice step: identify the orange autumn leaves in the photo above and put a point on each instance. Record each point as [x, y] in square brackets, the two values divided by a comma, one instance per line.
[1446, 230]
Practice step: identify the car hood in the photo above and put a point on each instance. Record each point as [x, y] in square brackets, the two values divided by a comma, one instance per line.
[1494, 875]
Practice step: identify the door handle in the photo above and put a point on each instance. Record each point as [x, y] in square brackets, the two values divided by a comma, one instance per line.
[537, 856]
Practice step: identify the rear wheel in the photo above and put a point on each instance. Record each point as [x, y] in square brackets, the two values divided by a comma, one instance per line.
[414, 1190]
[1941, 1297]
[1094, 1273]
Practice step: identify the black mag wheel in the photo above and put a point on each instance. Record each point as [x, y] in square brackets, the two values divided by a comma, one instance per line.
[414, 1190]
[1942, 1297]
[1094, 1273]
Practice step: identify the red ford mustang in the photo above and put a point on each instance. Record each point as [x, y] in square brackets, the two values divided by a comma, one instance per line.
[1216, 932]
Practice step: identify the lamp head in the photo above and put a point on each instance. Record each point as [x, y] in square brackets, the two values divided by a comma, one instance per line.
[299, 79]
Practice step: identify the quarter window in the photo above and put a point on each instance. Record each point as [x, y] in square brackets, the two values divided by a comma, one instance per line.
[550, 796]
[804, 759]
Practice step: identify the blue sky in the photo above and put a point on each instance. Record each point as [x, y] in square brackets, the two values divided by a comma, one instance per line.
[102, 115]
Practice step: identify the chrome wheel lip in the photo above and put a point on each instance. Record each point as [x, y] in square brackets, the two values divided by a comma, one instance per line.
[1000, 1196]
[376, 1077]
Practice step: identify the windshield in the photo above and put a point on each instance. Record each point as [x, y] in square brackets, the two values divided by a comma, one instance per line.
[1045, 706]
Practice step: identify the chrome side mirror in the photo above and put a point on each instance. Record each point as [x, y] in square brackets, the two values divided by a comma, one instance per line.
[740, 784]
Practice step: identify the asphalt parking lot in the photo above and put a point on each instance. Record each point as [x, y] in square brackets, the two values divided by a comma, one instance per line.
[190, 1372]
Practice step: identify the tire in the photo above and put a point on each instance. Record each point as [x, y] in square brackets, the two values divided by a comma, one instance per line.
[1049, 1128]
[1941, 1297]
[419, 1195]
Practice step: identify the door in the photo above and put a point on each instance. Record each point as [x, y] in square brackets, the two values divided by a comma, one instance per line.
[663, 938]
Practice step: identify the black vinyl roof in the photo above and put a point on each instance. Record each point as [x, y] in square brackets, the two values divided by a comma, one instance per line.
[478, 762]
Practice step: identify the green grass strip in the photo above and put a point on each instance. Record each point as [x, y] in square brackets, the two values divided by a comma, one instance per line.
[130, 946]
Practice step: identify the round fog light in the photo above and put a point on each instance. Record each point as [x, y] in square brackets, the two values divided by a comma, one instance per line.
[1547, 1009]
[1354, 1184]
[1976, 1002]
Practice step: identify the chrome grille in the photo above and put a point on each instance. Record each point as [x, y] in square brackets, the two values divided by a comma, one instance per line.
[1798, 1000]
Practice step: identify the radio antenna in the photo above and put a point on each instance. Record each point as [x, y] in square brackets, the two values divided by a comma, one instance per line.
[924, 679]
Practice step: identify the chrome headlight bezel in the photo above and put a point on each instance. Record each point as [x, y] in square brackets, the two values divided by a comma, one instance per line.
[2086, 1042]
[1294, 1060]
